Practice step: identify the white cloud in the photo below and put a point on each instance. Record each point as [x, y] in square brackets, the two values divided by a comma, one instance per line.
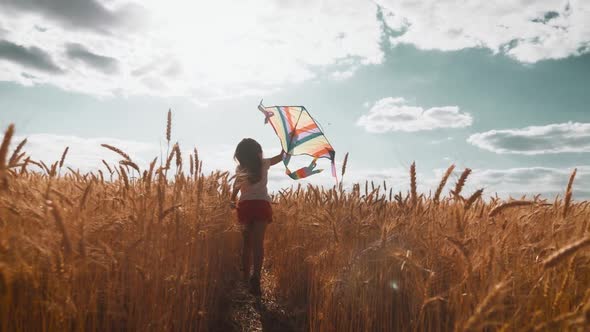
[514, 182]
[529, 31]
[222, 49]
[543, 180]
[394, 114]
[553, 138]
[201, 50]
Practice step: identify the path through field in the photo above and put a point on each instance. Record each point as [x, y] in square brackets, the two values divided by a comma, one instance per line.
[248, 313]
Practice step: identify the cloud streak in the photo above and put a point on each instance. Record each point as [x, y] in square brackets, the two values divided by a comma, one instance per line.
[102, 63]
[77, 14]
[394, 114]
[29, 57]
[535, 140]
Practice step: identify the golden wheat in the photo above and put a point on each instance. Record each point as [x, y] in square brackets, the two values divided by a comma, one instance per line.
[79, 252]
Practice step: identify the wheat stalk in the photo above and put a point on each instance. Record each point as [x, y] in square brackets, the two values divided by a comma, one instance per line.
[413, 186]
[63, 157]
[107, 166]
[443, 183]
[344, 164]
[124, 177]
[169, 210]
[23, 169]
[5, 144]
[568, 193]
[62, 196]
[477, 194]
[14, 163]
[130, 164]
[169, 126]
[85, 196]
[170, 156]
[178, 157]
[473, 323]
[3, 153]
[15, 154]
[508, 205]
[56, 212]
[565, 252]
[461, 182]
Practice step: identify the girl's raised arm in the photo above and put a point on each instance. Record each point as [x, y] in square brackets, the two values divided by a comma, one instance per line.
[277, 159]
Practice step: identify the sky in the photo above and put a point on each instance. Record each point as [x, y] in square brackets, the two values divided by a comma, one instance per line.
[500, 87]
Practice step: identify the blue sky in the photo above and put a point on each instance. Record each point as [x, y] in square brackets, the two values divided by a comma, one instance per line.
[499, 87]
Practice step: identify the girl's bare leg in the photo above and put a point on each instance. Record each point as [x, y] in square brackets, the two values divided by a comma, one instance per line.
[246, 250]
[258, 231]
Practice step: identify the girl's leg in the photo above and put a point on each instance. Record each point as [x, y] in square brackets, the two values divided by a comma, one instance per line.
[246, 249]
[258, 230]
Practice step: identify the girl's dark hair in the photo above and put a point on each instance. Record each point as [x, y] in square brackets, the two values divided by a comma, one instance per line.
[247, 154]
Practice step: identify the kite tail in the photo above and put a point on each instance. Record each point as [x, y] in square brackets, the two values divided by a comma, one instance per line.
[334, 171]
[333, 159]
[302, 172]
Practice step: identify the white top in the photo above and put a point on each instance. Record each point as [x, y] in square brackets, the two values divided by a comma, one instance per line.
[258, 190]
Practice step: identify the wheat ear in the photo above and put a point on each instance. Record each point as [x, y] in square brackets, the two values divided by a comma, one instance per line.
[130, 164]
[3, 153]
[169, 126]
[477, 194]
[413, 186]
[117, 150]
[443, 183]
[461, 182]
[507, 205]
[344, 164]
[568, 193]
[63, 157]
[14, 158]
[565, 252]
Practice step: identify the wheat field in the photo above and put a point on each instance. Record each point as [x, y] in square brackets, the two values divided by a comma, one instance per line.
[157, 249]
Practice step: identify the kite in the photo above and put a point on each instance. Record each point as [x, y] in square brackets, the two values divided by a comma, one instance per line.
[300, 134]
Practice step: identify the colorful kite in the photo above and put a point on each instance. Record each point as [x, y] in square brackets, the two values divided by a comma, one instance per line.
[299, 134]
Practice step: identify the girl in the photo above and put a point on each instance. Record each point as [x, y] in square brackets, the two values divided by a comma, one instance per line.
[254, 209]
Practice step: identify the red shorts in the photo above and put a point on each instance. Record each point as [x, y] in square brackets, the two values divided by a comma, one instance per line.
[250, 211]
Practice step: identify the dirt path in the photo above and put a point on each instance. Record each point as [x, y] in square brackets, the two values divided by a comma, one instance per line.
[249, 313]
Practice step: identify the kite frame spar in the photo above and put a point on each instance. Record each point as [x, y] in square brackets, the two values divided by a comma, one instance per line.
[291, 134]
